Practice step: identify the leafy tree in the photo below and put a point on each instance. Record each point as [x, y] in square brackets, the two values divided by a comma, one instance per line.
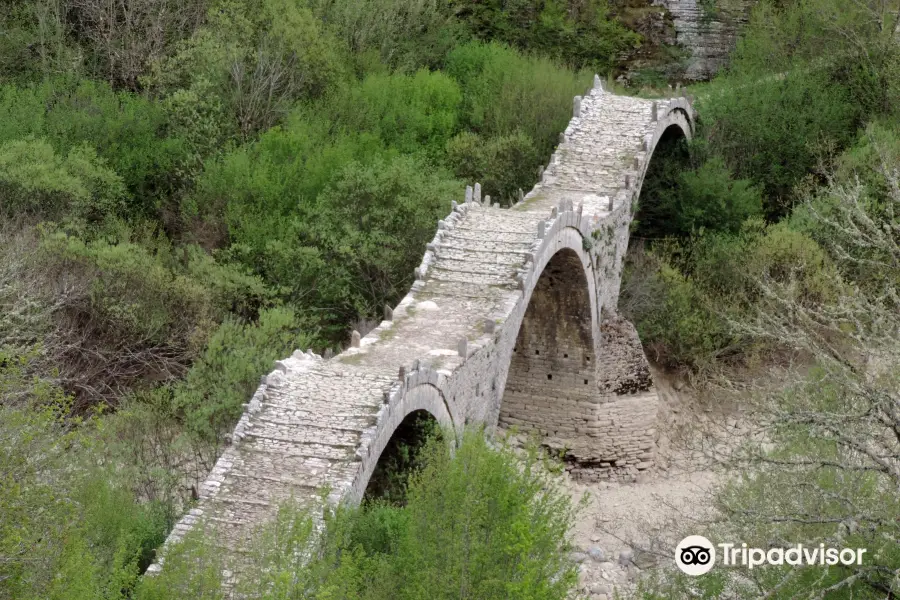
[580, 34]
[256, 58]
[506, 94]
[502, 164]
[34, 180]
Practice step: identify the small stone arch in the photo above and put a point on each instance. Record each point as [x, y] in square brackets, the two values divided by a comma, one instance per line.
[422, 397]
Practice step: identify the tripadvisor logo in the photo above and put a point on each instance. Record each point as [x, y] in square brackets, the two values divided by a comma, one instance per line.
[696, 555]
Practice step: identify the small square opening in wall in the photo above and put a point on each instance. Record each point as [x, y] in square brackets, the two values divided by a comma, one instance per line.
[587, 358]
[549, 376]
[565, 355]
[537, 351]
[585, 382]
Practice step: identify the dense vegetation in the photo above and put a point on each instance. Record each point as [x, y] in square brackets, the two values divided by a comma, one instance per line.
[767, 249]
[192, 189]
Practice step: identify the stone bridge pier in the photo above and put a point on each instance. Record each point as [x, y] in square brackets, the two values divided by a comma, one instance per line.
[511, 321]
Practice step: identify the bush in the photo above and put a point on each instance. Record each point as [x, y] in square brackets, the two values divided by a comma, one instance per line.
[480, 523]
[373, 223]
[502, 164]
[121, 313]
[505, 92]
[801, 82]
[867, 174]
[297, 207]
[257, 57]
[409, 113]
[774, 131]
[685, 297]
[35, 181]
[402, 34]
[680, 326]
[127, 132]
[67, 529]
[210, 398]
[687, 191]
[580, 34]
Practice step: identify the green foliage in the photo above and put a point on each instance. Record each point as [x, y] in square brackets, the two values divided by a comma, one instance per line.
[503, 164]
[484, 525]
[224, 377]
[685, 296]
[409, 113]
[686, 191]
[127, 132]
[803, 79]
[677, 322]
[67, 530]
[247, 66]
[480, 523]
[773, 131]
[35, 180]
[131, 291]
[402, 34]
[131, 312]
[297, 210]
[867, 174]
[581, 34]
[34, 42]
[710, 198]
[373, 222]
[505, 92]
[851, 45]
[400, 458]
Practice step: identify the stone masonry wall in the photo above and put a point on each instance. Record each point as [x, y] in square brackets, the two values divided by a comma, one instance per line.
[551, 387]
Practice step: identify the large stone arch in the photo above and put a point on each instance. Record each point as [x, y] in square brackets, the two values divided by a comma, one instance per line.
[551, 375]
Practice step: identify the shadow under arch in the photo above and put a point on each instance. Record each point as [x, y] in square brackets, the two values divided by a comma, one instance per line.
[656, 216]
[552, 367]
[401, 457]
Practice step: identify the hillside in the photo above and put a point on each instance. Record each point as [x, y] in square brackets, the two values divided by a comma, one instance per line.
[193, 190]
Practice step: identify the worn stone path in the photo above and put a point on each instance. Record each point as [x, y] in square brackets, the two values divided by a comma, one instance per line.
[511, 317]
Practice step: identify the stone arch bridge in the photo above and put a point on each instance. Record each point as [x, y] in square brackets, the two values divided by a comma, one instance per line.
[511, 320]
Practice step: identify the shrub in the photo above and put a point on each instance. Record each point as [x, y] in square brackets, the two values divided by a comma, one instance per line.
[480, 523]
[402, 34]
[681, 327]
[802, 80]
[35, 181]
[866, 174]
[502, 164]
[126, 313]
[373, 222]
[710, 198]
[773, 131]
[67, 529]
[685, 296]
[127, 132]
[505, 92]
[210, 398]
[409, 113]
[257, 56]
[577, 33]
